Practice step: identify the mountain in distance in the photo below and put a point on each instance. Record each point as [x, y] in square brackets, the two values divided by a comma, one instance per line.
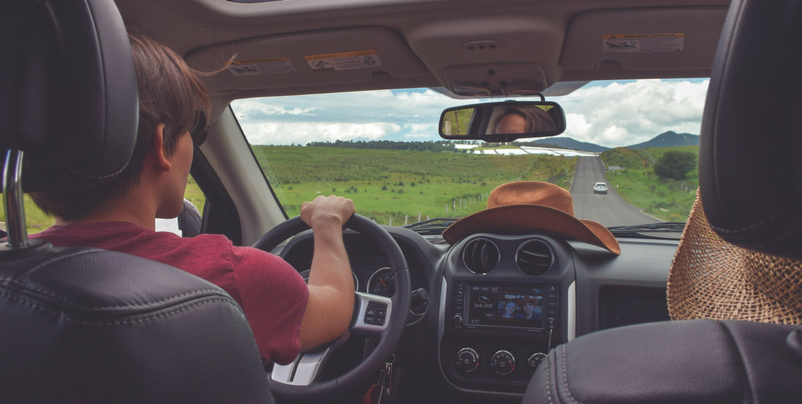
[669, 139]
[568, 143]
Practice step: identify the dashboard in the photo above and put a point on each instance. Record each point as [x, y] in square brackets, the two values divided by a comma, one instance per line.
[486, 310]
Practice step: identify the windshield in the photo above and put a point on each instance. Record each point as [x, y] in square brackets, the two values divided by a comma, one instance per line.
[381, 149]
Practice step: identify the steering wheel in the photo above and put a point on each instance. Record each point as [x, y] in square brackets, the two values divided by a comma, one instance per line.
[297, 381]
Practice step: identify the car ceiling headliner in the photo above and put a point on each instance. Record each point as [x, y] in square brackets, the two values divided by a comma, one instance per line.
[550, 33]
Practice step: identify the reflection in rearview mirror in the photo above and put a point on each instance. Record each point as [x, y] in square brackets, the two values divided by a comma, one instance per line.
[456, 122]
[503, 121]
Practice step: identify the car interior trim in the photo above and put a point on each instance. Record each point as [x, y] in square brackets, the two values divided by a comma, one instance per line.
[363, 300]
[242, 178]
[571, 311]
[303, 370]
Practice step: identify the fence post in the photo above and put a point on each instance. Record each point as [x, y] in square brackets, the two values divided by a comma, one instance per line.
[391, 220]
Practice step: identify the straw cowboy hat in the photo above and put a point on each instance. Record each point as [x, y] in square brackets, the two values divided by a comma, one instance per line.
[710, 278]
[528, 206]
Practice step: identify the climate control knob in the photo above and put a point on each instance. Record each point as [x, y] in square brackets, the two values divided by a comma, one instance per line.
[503, 362]
[467, 360]
[456, 321]
[535, 360]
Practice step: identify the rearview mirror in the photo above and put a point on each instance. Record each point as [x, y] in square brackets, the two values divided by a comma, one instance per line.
[503, 121]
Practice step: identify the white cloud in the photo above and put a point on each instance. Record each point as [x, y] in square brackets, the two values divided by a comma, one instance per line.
[288, 133]
[609, 114]
[620, 114]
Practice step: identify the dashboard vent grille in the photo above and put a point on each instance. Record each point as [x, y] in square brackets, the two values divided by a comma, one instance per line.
[481, 256]
[534, 257]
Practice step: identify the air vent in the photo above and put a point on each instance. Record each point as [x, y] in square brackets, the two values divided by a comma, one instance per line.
[534, 257]
[480, 256]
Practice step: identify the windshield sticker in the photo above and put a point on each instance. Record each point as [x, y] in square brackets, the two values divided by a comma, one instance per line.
[261, 66]
[643, 43]
[344, 61]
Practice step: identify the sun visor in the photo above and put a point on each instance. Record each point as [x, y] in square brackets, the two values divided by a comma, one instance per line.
[308, 59]
[682, 38]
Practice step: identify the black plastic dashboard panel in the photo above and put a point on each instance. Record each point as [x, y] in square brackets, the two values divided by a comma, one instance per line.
[643, 263]
[583, 274]
[501, 343]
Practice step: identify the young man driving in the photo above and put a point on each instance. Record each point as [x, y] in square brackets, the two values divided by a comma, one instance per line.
[285, 314]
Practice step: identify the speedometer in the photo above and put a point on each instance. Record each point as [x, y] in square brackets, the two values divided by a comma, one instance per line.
[382, 282]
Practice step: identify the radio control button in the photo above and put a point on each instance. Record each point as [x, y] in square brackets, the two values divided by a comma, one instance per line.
[535, 360]
[456, 320]
[503, 362]
[467, 360]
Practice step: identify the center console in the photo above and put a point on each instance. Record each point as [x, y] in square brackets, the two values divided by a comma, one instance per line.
[497, 327]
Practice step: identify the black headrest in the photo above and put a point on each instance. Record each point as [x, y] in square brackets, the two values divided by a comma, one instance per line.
[750, 152]
[68, 94]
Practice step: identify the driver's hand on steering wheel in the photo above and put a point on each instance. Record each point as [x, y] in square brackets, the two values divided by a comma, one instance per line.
[331, 286]
[326, 209]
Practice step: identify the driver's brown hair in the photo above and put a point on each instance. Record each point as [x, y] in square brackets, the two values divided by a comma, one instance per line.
[170, 92]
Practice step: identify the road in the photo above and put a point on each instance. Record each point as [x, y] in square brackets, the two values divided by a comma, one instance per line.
[609, 209]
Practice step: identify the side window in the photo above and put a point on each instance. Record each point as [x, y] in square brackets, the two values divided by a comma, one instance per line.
[35, 218]
[38, 220]
[188, 223]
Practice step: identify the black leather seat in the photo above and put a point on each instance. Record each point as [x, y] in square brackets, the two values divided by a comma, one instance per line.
[189, 221]
[82, 325]
[750, 176]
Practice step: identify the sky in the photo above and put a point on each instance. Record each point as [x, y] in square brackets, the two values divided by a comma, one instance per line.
[607, 113]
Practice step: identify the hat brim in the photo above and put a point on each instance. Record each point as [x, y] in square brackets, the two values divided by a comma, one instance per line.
[713, 279]
[525, 219]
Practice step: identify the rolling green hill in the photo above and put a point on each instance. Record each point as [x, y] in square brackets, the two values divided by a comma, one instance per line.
[669, 139]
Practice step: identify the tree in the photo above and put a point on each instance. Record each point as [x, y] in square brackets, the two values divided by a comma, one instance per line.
[675, 164]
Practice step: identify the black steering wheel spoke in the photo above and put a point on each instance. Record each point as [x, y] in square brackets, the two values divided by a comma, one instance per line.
[373, 316]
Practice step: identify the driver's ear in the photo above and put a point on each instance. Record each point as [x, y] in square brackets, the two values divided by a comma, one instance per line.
[156, 155]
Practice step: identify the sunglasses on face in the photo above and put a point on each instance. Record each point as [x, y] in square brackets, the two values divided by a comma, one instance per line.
[201, 129]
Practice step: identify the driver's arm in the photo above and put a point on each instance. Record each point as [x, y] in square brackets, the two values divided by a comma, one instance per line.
[331, 286]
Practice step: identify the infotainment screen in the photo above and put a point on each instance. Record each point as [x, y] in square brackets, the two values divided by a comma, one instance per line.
[507, 306]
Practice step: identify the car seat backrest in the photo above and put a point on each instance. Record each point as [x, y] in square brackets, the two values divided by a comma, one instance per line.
[68, 94]
[82, 325]
[750, 150]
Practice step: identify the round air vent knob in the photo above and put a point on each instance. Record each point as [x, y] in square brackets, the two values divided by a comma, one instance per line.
[503, 362]
[535, 360]
[467, 360]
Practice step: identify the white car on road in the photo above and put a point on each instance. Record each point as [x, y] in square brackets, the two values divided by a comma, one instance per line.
[600, 188]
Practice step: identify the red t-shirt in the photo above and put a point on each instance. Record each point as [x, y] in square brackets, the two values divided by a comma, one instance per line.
[269, 290]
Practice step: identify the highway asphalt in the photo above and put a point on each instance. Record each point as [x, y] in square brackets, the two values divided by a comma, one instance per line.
[609, 209]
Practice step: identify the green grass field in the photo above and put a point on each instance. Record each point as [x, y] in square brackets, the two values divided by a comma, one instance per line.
[401, 185]
[383, 184]
[38, 221]
[667, 199]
